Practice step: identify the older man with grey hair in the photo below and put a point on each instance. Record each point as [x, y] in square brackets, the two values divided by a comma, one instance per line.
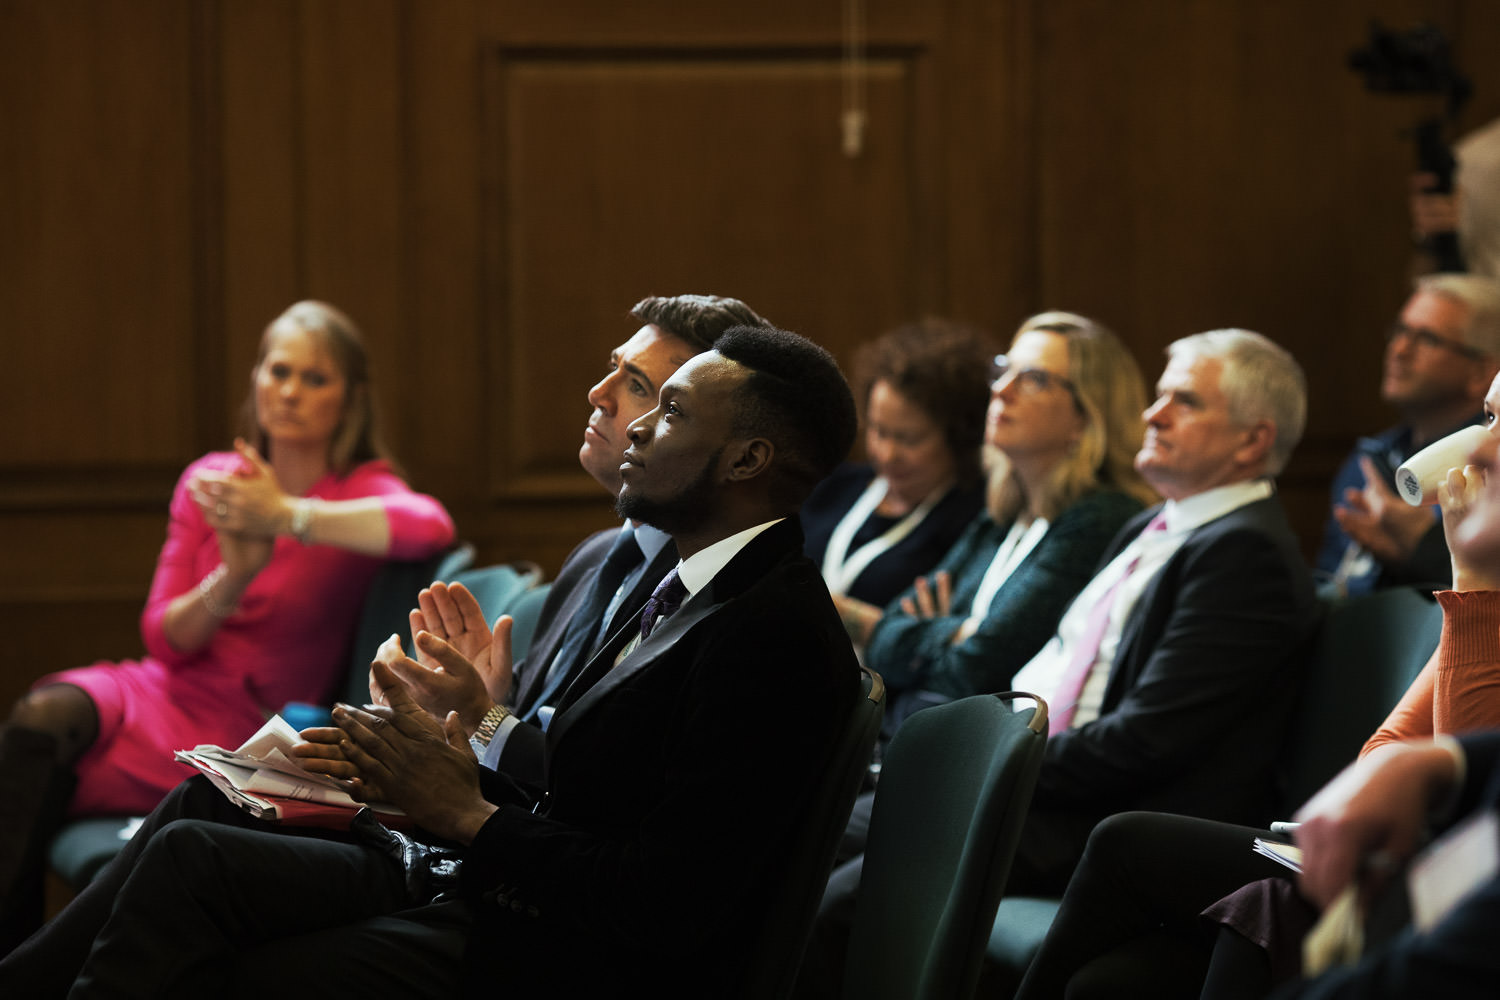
[1440, 358]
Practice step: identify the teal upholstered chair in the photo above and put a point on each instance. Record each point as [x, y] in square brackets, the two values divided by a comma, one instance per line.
[955, 786]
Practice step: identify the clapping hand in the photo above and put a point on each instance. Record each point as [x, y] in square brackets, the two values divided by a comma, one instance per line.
[457, 656]
[401, 755]
[1374, 516]
[247, 501]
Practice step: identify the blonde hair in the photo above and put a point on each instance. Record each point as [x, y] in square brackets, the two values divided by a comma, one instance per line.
[1111, 396]
[357, 437]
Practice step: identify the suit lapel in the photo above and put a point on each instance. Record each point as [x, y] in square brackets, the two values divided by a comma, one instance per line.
[601, 675]
[1140, 633]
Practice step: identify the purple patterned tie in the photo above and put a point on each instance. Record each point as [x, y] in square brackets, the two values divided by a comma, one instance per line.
[665, 599]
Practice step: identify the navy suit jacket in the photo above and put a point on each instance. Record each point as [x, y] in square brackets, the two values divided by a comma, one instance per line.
[1208, 669]
[523, 755]
[669, 802]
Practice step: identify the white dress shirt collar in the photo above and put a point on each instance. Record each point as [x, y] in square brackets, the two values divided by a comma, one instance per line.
[703, 565]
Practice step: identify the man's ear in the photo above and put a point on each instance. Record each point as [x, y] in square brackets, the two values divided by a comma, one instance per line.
[1259, 437]
[747, 459]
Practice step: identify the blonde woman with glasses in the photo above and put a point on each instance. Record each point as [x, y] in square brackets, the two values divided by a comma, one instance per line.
[1063, 425]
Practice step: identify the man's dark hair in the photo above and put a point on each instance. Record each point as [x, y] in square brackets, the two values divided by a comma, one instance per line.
[696, 320]
[798, 399]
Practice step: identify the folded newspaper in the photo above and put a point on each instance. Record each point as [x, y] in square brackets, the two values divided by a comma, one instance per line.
[262, 774]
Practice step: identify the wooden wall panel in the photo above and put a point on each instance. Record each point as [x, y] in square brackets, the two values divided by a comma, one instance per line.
[96, 275]
[694, 171]
[1208, 164]
[487, 185]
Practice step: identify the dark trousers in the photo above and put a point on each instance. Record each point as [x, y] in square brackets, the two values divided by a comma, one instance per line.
[206, 901]
[1128, 925]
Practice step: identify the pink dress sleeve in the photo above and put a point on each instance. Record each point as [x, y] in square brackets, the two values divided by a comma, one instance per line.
[420, 525]
[181, 563]
[1459, 688]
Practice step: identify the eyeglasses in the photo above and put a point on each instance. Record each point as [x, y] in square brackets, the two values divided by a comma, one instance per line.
[1423, 337]
[1032, 381]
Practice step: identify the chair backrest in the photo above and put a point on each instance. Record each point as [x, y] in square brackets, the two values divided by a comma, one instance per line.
[1369, 650]
[777, 951]
[497, 588]
[392, 594]
[955, 787]
[526, 610]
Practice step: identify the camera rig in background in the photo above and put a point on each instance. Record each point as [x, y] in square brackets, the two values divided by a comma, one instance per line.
[1420, 61]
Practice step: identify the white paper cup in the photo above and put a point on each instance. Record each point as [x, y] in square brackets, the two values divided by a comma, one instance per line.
[1418, 478]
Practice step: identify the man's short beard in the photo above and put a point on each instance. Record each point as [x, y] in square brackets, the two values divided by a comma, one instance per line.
[686, 511]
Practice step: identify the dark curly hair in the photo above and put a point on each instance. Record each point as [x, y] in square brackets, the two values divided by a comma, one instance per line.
[797, 397]
[943, 369]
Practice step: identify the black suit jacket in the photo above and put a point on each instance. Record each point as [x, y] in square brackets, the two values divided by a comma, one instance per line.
[674, 786]
[523, 755]
[1209, 667]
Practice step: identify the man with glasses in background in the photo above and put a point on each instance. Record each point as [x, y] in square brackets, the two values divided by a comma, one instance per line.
[1440, 358]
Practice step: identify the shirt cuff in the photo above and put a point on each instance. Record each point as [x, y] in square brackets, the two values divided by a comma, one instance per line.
[489, 756]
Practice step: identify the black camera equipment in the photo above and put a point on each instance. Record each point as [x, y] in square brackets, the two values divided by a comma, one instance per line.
[1419, 62]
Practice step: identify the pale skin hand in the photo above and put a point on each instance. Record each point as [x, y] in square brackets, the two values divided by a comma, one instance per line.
[254, 501]
[403, 756]
[453, 614]
[444, 682]
[1458, 495]
[188, 624]
[453, 624]
[256, 504]
[1375, 810]
[859, 618]
[934, 599]
[1431, 212]
[1384, 524]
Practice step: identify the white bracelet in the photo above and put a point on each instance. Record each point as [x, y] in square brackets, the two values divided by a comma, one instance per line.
[206, 592]
[302, 515]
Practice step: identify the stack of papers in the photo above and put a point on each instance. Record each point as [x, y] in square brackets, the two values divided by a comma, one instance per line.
[263, 778]
[1287, 854]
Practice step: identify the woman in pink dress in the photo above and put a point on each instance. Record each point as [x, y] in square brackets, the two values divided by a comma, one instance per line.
[270, 549]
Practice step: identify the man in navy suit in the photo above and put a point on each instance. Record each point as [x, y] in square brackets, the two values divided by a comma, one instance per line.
[463, 665]
[658, 761]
